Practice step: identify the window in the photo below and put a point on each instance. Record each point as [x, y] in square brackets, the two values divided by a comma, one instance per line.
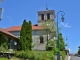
[41, 39]
[16, 33]
[42, 16]
[48, 16]
[9, 40]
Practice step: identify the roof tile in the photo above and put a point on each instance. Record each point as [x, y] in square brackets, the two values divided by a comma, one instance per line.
[18, 28]
[8, 33]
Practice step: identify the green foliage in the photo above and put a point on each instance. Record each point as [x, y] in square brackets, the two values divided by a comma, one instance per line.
[62, 44]
[3, 44]
[55, 49]
[19, 54]
[4, 47]
[23, 36]
[26, 35]
[63, 54]
[49, 25]
[47, 55]
[36, 55]
[2, 40]
[30, 35]
[50, 28]
[79, 51]
[3, 59]
[52, 45]
[25, 54]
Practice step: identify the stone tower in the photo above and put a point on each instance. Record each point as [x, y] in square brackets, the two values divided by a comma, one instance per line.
[45, 15]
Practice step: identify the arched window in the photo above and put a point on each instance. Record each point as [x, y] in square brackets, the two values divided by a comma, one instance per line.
[41, 39]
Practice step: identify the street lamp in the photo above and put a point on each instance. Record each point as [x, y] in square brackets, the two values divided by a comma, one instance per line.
[62, 14]
[1, 10]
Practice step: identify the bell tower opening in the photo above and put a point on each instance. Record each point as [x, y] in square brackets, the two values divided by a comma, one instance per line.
[48, 16]
[42, 16]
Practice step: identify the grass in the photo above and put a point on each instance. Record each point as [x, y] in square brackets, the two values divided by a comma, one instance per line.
[3, 59]
[13, 58]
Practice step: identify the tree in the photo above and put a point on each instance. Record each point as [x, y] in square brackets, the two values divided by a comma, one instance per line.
[62, 44]
[23, 36]
[50, 28]
[29, 35]
[79, 50]
[26, 35]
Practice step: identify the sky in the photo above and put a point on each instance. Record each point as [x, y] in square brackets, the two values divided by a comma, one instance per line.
[15, 11]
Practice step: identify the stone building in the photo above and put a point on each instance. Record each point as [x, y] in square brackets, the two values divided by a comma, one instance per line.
[39, 35]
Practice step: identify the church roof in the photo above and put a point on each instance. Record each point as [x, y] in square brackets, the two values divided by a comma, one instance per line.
[18, 28]
[7, 33]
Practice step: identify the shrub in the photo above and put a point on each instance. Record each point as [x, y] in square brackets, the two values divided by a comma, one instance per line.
[4, 48]
[31, 54]
[48, 55]
[63, 53]
[25, 54]
[19, 54]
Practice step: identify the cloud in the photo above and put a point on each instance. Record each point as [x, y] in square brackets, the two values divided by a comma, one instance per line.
[65, 25]
[10, 18]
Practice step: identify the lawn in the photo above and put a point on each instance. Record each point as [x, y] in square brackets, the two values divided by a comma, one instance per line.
[3, 59]
[13, 58]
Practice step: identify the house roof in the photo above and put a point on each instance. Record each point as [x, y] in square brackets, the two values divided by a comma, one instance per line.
[8, 33]
[18, 28]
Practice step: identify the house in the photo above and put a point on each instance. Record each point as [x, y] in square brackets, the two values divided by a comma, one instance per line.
[12, 39]
[37, 31]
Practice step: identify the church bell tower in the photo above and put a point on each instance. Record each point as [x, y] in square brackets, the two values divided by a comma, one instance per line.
[45, 15]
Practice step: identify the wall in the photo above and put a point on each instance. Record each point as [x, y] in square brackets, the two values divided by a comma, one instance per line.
[36, 39]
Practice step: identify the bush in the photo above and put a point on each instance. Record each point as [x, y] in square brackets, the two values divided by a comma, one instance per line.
[63, 53]
[31, 54]
[25, 54]
[3, 48]
[19, 54]
[48, 55]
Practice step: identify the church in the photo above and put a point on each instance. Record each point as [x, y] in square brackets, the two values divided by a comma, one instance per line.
[12, 34]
